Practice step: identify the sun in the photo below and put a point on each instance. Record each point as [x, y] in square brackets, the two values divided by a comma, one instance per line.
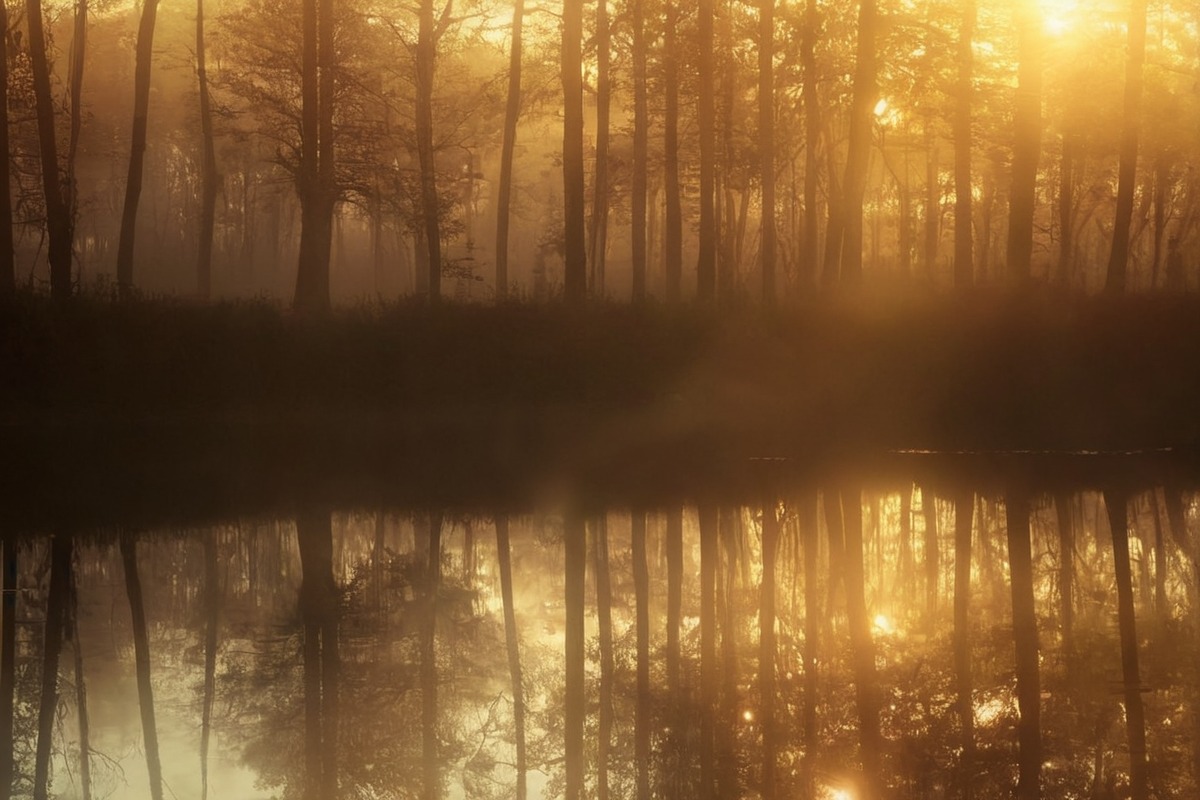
[1058, 16]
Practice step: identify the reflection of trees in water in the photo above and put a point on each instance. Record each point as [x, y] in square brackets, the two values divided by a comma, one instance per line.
[380, 594]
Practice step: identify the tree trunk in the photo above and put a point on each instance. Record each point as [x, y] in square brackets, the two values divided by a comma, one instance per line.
[314, 182]
[641, 590]
[1118, 258]
[674, 547]
[431, 766]
[512, 112]
[812, 137]
[141, 652]
[708, 651]
[137, 149]
[906, 554]
[598, 241]
[673, 224]
[212, 611]
[766, 141]
[513, 642]
[1027, 138]
[575, 546]
[209, 179]
[860, 144]
[574, 255]
[59, 225]
[1029, 731]
[8, 662]
[933, 199]
[641, 123]
[1135, 715]
[604, 634]
[706, 266]
[728, 783]
[426, 63]
[933, 566]
[766, 646]
[963, 506]
[964, 266]
[8, 269]
[1066, 209]
[319, 611]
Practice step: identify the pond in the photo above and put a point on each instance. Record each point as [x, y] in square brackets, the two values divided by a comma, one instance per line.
[891, 633]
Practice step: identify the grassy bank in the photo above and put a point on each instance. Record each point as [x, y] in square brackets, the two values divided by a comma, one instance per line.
[490, 401]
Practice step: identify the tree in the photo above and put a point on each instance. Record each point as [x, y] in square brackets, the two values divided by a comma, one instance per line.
[62, 550]
[604, 630]
[1027, 139]
[706, 267]
[766, 141]
[858, 151]
[1127, 174]
[766, 646]
[432, 788]
[964, 266]
[812, 136]
[426, 55]
[8, 666]
[574, 255]
[512, 112]
[8, 270]
[1029, 730]
[137, 148]
[513, 644]
[575, 558]
[59, 222]
[641, 121]
[642, 721]
[598, 242]
[964, 504]
[319, 613]
[209, 180]
[315, 182]
[673, 217]
[212, 617]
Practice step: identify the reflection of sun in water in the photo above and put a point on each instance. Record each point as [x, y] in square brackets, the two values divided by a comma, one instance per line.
[884, 625]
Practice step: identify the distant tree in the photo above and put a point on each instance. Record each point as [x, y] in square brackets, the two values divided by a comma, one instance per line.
[574, 711]
[141, 649]
[598, 239]
[1118, 258]
[8, 270]
[812, 136]
[865, 91]
[1025, 638]
[429, 31]
[574, 253]
[706, 267]
[59, 221]
[673, 216]
[8, 661]
[137, 150]
[964, 266]
[641, 123]
[512, 112]
[209, 179]
[1027, 138]
[766, 137]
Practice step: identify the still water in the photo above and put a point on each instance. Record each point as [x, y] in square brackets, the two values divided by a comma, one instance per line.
[368, 654]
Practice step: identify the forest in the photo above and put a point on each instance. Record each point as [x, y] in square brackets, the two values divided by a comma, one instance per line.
[626, 398]
[358, 150]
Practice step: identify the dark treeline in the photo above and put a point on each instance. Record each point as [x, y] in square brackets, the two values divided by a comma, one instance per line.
[994, 643]
[336, 149]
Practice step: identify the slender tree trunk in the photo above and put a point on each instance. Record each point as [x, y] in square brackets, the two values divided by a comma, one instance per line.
[706, 267]
[1161, 606]
[963, 506]
[1135, 715]
[8, 269]
[906, 554]
[812, 138]
[1027, 139]
[766, 647]
[137, 152]
[641, 590]
[933, 195]
[512, 112]
[766, 141]
[61, 554]
[708, 651]
[673, 224]
[964, 266]
[604, 631]
[575, 257]
[212, 615]
[426, 63]
[432, 789]
[1029, 730]
[314, 181]
[598, 241]
[1135, 55]
[209, 180]
[1066, 209]
[141, 652]
[575, 546]
[8, 661]
[728, 783]
[641, 123]
[674, 546]
[865, 679]
[81, 704]
[860, 144]
[59, 227]
[513, 641]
